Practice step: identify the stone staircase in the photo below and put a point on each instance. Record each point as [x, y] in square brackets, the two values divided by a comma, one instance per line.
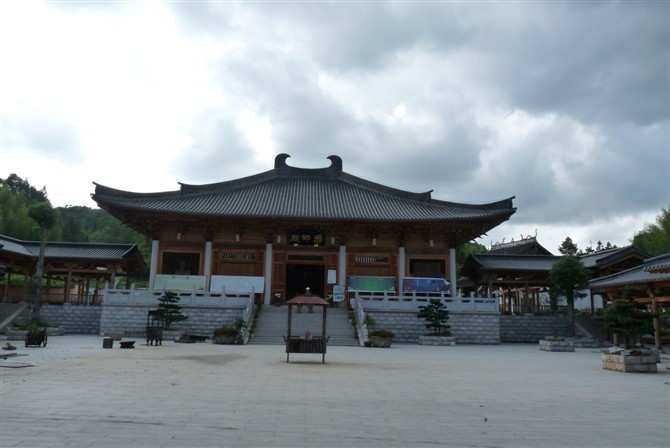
[273, 321]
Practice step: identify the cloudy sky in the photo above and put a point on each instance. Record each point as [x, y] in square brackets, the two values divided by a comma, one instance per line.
[564, 105]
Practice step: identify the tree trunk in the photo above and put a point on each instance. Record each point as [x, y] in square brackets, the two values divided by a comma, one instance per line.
[39, 273]
[571, 317]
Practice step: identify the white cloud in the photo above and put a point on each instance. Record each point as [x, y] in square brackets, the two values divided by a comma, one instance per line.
[477, 102]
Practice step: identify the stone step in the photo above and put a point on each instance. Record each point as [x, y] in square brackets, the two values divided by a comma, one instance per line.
[273, 322]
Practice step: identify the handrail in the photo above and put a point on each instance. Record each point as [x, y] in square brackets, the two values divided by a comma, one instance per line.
[383, 300]
[134, 296]
[360, 317]
[247, 316]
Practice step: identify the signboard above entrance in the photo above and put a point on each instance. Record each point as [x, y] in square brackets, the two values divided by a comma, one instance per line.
[306, 237]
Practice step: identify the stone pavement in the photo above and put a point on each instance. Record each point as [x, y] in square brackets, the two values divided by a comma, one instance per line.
[78, 394]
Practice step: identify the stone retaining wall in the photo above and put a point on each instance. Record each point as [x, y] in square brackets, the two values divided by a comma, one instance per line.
[73, 319]
[530, 328]
[132, 319]
[467, 328]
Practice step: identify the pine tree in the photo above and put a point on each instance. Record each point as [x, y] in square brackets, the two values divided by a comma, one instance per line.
[436, 316]
[168, 303]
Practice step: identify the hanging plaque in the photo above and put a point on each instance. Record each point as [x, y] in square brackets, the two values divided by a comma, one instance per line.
[306, 238]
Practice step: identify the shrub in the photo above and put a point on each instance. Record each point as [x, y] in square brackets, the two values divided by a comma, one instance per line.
[382, 334]
[224, 330]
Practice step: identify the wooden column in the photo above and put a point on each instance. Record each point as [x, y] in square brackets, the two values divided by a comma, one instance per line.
[68, 283]
[657, 320]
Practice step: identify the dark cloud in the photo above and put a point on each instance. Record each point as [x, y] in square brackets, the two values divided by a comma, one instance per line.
[601, 62]
[563, 104]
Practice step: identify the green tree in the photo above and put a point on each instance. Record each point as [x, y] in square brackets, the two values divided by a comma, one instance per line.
[469, 248]
[655, 238]
[628, 319]
[554, 302]
[45, 216]
[567, 247]
[436, 315]
[17, 185]
[569, 278]
[169, 304]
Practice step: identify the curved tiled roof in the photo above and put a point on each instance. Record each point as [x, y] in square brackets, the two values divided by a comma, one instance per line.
[288, 192]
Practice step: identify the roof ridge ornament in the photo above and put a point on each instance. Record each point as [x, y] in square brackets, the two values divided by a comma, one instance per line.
[284, 169]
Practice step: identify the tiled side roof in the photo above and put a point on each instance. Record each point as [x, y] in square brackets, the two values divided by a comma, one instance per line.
[14, 246]
[648, 272]
[80, 251]
[288, 192]
[501, 262]
[658, 264]
[604, 257]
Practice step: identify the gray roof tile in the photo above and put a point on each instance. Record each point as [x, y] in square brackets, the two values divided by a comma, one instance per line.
[512, 262]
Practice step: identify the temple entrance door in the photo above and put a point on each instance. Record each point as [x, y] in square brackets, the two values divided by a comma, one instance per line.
[301, 276]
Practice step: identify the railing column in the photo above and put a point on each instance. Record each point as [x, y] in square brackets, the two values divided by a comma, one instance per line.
[268, 274]
[154, 264]
[342, 266]
[208, 265]
[452, 272]
[401, 269]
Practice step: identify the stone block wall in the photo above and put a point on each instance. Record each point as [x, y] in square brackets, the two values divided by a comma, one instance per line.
[467, 328]
[132, 319]
[73, 319]
[530, 328]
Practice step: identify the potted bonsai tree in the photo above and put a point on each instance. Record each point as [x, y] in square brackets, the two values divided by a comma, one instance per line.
[436, 315]
[628, 320]
[378, 338]
[169, 303]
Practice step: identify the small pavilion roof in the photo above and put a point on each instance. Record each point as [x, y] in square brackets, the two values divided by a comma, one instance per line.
[307, 299]
[526, 246]
[289, 192]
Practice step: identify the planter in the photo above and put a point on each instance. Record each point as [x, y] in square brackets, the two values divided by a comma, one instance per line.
[16, 334]
[641, 360]
[115, 335]
[378, 341]
[442, 340]
[226, 339]
[36, 337]
[557, 346]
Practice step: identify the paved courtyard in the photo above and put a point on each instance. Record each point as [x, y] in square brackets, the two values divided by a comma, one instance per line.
[78, 394]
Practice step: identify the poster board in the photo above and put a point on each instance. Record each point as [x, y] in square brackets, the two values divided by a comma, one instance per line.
[237, 283]
[180, 282]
